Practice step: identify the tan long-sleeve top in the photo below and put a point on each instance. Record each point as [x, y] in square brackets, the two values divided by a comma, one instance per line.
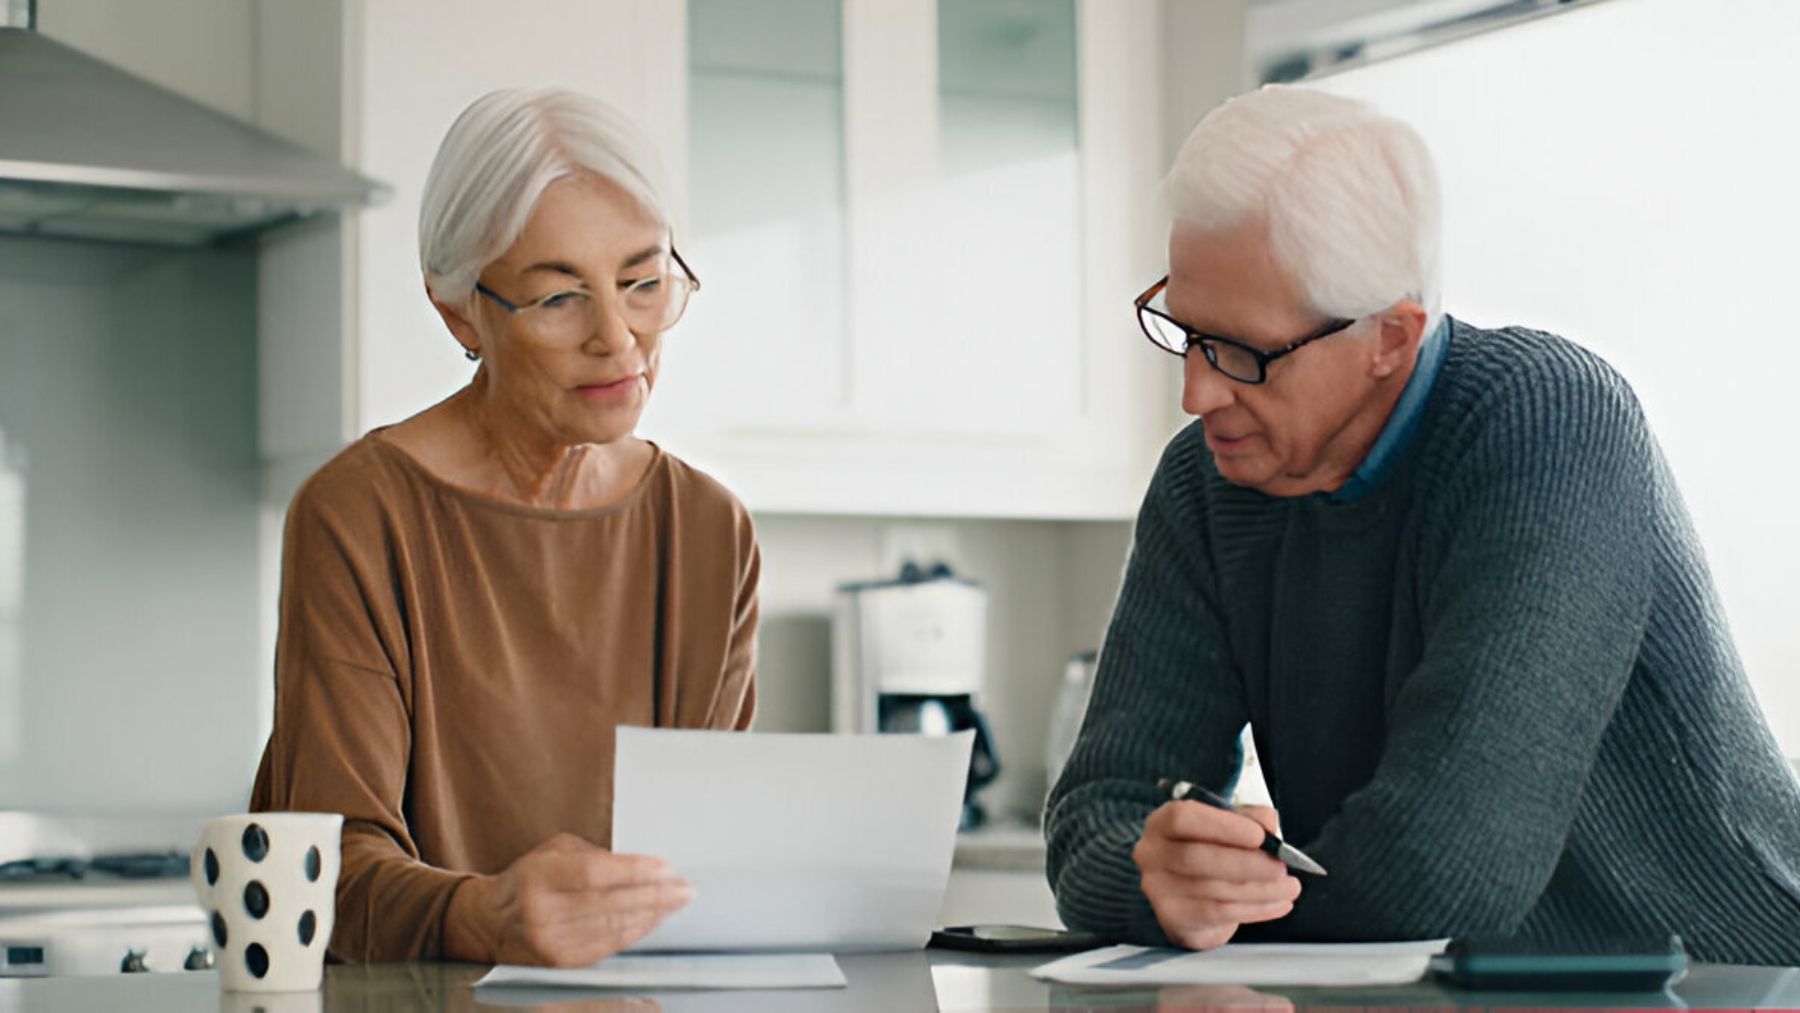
[450, 669]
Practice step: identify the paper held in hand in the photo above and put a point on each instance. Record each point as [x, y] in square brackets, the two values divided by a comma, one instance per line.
[838, 843]
[1334, 964]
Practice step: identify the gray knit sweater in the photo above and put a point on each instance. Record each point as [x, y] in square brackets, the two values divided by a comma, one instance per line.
[1496, 695]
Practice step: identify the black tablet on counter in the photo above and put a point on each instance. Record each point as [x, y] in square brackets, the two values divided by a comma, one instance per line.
[1622, 965]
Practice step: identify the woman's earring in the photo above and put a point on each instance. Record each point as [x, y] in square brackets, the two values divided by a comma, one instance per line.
[472, 354]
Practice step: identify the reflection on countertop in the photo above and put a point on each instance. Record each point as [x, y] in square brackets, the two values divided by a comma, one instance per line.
[877, 983]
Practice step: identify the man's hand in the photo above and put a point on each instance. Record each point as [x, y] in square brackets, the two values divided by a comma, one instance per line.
[1205, 873]
[565, 903]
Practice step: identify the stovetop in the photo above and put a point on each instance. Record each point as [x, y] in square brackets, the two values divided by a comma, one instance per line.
[129, 911]
[123, 865]
[101, 887]
[97, 895]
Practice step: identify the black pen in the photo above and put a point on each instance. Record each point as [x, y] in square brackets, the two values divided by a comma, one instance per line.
[1294, 857]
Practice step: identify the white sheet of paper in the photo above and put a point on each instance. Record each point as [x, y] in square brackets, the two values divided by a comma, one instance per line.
[1248, 964]
[793, 842]
[695, 970]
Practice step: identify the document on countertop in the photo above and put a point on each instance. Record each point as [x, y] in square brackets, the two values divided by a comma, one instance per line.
[1333, 964]
[793, 842]
[685, 970]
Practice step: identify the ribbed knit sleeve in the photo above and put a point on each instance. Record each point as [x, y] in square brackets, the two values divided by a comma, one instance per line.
[1534, 574]
[1165, 703]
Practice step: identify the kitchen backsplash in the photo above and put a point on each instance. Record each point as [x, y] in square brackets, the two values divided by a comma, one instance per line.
[131, 668]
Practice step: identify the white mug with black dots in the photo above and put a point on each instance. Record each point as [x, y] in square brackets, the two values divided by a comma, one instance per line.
[268, 882]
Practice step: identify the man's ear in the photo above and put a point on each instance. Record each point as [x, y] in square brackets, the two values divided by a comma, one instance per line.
[1400, 329]
[461, 327]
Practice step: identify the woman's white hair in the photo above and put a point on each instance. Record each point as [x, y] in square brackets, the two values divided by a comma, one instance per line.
[1350, 195]
[500, 156]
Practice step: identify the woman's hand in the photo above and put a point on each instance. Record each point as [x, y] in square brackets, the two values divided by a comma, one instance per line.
[1205, 874]
[565, 903]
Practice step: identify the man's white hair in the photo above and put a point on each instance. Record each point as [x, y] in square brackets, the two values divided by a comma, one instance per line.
[1350, 195]
[500, 156]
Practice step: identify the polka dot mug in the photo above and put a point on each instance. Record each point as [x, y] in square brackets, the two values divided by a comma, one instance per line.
[268, 882]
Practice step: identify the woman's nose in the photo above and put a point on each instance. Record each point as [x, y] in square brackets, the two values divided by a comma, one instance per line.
[611, 332]
[1203, 388]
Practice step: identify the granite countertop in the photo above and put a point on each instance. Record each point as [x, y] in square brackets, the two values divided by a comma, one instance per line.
[908, 982]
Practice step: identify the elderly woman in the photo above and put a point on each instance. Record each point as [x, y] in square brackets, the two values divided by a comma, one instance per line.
[474, 599]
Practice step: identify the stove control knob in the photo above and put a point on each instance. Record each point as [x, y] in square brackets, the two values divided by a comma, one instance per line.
[133, 963]
[198, 959]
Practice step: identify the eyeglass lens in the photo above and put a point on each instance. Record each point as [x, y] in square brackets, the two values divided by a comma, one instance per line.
[651, 306]
[1234, 362]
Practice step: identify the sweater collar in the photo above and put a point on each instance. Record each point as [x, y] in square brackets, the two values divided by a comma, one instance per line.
[1403, 422]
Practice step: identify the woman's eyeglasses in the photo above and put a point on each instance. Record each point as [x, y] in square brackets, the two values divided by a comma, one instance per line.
[650, 305]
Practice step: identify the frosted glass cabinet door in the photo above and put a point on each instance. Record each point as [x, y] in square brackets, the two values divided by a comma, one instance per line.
[762, 347]
[916, 267]
[886, 210]
[980, 283]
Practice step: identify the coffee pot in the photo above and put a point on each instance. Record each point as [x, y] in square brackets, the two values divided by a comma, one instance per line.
[908, 655]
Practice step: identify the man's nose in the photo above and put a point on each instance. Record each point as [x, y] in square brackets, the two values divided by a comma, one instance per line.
[1203, 388]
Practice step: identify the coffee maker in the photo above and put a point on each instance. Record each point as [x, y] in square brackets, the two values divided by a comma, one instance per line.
[908, 656]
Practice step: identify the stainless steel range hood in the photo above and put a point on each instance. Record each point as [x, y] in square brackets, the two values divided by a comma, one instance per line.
[92, 152]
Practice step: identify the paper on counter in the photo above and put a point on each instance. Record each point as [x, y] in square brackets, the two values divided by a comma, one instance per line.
[1248, 964]
[696, 970]
[793, 842]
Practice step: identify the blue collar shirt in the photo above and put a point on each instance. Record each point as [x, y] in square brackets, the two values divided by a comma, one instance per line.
[1397, 434]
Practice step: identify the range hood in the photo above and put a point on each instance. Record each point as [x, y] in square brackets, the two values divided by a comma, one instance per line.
[89, 151]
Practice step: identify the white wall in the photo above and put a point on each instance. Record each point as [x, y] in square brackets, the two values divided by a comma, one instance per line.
[196, 48]
[1625, 174]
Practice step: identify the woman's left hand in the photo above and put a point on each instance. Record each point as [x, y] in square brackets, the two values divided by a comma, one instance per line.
[565, 903]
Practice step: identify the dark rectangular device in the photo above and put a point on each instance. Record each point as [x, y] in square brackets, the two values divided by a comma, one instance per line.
[1625, 965]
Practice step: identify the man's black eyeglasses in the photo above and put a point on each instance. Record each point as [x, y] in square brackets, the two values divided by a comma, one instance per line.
[1229, 356]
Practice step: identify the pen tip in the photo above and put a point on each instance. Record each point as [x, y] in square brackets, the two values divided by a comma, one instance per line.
[1300, 860]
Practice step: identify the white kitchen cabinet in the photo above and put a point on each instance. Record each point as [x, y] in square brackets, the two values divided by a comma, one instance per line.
[916, 298]
[920, 234]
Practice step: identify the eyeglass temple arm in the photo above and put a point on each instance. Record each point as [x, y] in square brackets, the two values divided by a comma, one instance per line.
[676, 254]
[505, 304]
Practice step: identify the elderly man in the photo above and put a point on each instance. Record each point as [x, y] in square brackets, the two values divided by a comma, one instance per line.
[1441, 572]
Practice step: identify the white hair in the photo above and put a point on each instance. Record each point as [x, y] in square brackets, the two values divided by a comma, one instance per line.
[500, 156]
[1350, 195]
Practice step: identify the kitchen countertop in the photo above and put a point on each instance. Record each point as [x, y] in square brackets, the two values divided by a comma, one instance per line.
[1001, 847]
[888, 982]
